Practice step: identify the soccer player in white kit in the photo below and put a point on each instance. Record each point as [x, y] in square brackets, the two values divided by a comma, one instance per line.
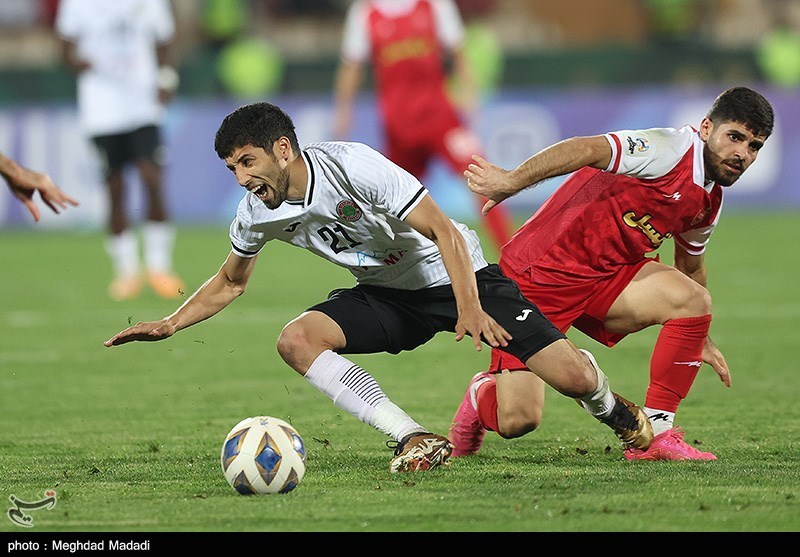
[418, 273]
[120, 51]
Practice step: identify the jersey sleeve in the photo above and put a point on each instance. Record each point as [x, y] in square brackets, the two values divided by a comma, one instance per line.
[68, 20]
[383, 184]
[245, 241]
[649, 153]
[163, 21]
[449, 25]
[355, 38]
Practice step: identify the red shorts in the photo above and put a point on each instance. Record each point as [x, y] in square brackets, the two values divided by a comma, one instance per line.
[447, 139]
[568, 302]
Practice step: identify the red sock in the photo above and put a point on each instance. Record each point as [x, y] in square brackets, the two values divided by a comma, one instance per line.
[498, 222]
[676, 360]
[487, 405]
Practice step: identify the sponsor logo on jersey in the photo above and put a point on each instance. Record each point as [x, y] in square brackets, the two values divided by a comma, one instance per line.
[637, 144]
[348, 210]
[292, 227]
[642, 223]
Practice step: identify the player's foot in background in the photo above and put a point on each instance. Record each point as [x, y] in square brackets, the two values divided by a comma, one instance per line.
[669, 445]
[629, 423]
[125, 288]
[421, 451]
[466, 431]
[166, 285]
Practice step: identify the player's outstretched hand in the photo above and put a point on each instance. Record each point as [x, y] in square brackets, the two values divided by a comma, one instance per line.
[56, 199]
[480, 325]
[713, 357]
[24, 183]
[148, 332]
[488, 180]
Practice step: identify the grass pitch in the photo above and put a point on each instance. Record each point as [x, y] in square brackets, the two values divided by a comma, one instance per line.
[129, 438]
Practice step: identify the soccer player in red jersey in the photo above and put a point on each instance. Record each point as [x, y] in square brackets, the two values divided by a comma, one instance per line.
[406, 43]
[582, 259]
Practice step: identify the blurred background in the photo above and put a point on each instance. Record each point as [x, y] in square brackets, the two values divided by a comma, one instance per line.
[547, 70]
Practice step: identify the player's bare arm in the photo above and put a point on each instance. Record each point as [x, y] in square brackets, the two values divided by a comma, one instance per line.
[566, 156]
[694, 267]
[69, 53]
[212, 297]
[430, 221]
[348, 81]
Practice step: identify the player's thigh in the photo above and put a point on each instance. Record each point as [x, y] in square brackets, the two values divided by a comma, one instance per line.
[656, 294]
[372, 322]
[501, 298]
[111, 153]
[145, 144]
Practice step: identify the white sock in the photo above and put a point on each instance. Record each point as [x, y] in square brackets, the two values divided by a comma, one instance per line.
[601, 402]
[661, 420]
[159, 239]
[124, 252]
[356, 391]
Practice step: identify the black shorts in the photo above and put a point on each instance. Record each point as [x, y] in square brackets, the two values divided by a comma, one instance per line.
[376, 319]
[120, 149]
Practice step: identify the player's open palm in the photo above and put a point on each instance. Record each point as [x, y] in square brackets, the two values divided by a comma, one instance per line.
[147, 332]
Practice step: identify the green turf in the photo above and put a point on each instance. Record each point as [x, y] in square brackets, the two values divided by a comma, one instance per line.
[129, 438]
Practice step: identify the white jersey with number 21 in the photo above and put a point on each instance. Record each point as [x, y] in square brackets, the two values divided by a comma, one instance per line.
[353, 215]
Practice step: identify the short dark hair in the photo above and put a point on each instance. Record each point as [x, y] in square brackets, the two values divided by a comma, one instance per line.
[745, 106]
[258, 124]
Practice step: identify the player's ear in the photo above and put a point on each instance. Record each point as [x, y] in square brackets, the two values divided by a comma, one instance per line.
[283, 148]
[705, 128]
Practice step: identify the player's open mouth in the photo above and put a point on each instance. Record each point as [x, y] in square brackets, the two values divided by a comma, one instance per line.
[261, 191]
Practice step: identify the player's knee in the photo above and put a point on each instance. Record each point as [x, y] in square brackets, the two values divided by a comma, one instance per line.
[693, 301]
[517, 424]
[702, 303]
[292, 344]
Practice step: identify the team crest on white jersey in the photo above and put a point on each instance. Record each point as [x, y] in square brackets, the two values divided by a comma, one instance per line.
[348, 210]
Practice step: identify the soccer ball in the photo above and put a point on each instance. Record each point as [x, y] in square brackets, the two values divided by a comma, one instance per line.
[263, 455]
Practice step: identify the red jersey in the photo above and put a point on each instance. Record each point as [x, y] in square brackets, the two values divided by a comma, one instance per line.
[601, 220]
[589, 239]
[405, 47]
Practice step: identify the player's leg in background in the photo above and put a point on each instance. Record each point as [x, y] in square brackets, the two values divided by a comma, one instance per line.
[122, 244]
[458, 144]
[158, 232]
[507, 402]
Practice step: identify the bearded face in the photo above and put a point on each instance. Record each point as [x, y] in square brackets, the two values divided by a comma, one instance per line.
[730, 148]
